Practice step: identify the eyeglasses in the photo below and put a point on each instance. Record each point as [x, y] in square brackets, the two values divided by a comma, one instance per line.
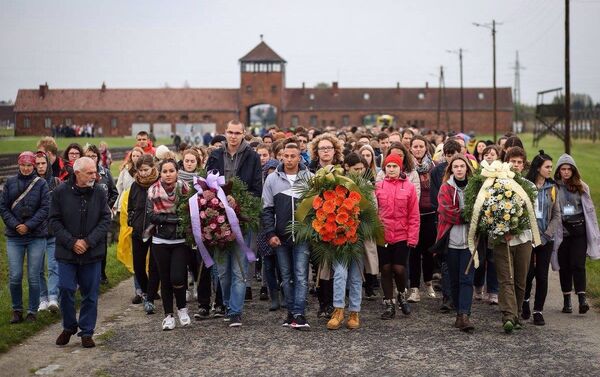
[325, 149]
[231, 133]
[302, 141]
[74, 154]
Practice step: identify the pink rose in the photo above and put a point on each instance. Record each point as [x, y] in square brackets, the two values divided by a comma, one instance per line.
[202, 214]
[202, 202]
[214, 201]
[213, 226]
[227, 233]
[221, 219]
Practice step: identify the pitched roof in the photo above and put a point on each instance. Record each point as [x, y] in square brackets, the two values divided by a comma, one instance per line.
[127, 100]
[262, 53]
[388, 99]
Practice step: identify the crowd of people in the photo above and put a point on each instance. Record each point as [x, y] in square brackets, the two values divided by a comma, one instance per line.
[57, 212]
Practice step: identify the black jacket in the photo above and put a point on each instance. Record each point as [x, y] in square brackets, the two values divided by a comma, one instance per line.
[32, 210]
[136, 210]
[437, 174]
[165, 223]
[280, 200]
[248, 167]
[108, 184]
[79, 213]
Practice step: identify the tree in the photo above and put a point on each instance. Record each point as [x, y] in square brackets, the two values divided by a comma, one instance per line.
[186, 84]
[271, 116]
[579, 101]
[322, 85]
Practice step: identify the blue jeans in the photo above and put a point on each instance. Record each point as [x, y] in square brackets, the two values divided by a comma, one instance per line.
[354, 284]
[232, 267]
[270, 269]
[293, 264]
[16, 248]
[461, 285]
[49, 289]
[486, 271]
[87, 276]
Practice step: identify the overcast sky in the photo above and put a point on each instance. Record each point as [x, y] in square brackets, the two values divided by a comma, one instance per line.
[147, 43]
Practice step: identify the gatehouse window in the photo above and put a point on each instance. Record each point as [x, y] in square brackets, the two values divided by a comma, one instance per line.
[26, 123]
[313, 120]
[113, 123]
[295, 121]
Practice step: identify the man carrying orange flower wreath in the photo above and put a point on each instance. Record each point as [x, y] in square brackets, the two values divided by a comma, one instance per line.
[280, 198]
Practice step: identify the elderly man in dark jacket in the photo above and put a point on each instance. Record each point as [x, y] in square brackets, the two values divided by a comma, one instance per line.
[236, 159]
[79, 218]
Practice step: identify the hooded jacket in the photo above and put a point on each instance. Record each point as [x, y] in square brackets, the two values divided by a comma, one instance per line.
[246, 164]
[79, 213]
[32, 210]
[591, 221]
[108, 184]
[449, 215]
[280, 200]
[398, 210]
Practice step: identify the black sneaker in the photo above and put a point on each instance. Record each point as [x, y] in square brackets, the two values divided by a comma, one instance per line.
[288, 321]
[264, 294]
[446, 305]
[258, 277]
[248, 294]
[329, 311]
[235, 320]
[203, 313]
[299, 322]
[403, 303]
[219, 312]
[525, 310]
[390, 310]
[538, 319]
[137, 299]
[370, 294]
[583, 305]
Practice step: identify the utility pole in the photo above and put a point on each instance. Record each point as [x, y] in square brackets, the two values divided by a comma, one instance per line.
[492, 27]
[462, 94]
[439, 104]
[517, 89]
[567, 82]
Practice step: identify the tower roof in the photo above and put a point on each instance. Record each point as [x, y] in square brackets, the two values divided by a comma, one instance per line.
[262, 53]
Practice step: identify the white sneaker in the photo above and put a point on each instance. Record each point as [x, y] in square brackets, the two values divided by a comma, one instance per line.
[493, 297]
[53, 306]
[189, 295]
[43, 306]
[415, 296]
[184, 317]
[430, 290]
[168, 323]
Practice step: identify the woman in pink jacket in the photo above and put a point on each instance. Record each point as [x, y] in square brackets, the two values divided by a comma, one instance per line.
[399, 212]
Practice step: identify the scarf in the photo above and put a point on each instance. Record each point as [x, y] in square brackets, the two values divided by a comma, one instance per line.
[163, 202]
[425, 165]
[146, 182]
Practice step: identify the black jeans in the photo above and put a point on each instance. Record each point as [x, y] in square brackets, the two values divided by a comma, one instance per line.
[571, 259]
[172, 263]
[148, 282]
[538, 269]
[420, 255]
[205, 288]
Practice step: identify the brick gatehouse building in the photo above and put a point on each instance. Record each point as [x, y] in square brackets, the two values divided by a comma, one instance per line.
[123, 112]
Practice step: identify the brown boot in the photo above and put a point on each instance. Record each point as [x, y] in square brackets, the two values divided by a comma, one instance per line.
[87, 342]
[337, 319]
[64, 337]
[466, 324]
[353, 321]
[458, 323]
[17, 317]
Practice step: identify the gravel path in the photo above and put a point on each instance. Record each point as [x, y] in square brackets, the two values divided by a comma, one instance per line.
[131, 343]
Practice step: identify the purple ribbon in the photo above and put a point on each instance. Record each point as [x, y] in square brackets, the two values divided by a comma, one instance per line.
[196, 225]
[215, 181]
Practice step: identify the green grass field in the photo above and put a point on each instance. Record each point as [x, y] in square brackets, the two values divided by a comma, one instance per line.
[23, 143]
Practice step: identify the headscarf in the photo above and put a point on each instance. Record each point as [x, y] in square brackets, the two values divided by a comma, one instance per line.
[26, 157]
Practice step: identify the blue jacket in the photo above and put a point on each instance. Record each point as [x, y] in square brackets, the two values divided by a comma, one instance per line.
[32, 210]
[280, 200]
[248, 167]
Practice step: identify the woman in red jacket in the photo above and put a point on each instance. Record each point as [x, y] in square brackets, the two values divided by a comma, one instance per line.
[399, 212]
[452, 232]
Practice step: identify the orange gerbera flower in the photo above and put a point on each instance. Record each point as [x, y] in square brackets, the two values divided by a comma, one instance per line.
[349, 204]
[329, 195]
[330, 228]
[321, 215]
[342, 218]
[356, 210]
[317, 225]
[341, 191]
[339, 201]
[339, 241]
[331, 218]
[317, 202]
[329, 206]
[353, 238]
[327, 237]
[355, 196]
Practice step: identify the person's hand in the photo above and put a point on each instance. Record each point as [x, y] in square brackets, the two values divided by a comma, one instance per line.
[274, 241]
[80, 247]
[508, 237]
[231, 201]
[22, 229]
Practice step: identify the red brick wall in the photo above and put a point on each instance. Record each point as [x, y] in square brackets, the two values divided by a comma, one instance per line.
[124, 121]
[479, 121]
[261, 84]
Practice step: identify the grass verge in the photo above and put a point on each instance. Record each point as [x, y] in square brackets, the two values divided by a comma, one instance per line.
[23, 143]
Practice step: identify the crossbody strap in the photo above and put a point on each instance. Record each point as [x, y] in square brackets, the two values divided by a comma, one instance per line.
[24, 193]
